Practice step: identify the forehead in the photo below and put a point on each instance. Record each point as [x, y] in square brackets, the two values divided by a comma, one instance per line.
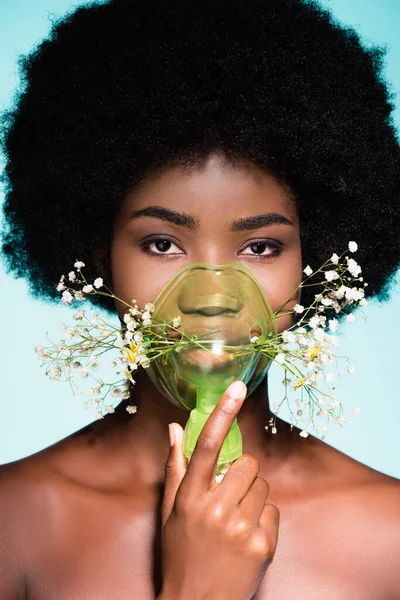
[215, 191]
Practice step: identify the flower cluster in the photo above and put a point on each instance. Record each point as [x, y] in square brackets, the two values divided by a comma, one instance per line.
[306, 350]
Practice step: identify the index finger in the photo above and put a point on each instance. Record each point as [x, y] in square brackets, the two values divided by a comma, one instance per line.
[203, 463]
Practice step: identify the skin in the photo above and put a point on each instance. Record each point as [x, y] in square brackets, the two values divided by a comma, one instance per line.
[81, 519]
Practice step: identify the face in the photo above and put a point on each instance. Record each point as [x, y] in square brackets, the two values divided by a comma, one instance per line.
[216, 213]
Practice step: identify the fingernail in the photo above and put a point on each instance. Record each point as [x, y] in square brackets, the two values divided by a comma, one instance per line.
[237, 390]
[171, 435]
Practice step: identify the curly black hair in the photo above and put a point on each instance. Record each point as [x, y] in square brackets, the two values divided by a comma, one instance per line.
[125, 87]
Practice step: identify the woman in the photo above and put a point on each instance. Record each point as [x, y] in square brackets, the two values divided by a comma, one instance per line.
[148, 136]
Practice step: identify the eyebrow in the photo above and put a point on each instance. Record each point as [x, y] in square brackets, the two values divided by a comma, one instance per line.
[258, 221]
[190, 222]
[165, 214]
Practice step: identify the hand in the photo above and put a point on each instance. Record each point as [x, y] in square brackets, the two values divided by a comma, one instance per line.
[217, 538]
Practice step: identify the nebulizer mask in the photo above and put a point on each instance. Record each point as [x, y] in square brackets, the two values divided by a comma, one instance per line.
[221, 311]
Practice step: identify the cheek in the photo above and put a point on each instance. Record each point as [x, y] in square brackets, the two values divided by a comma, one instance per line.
[279, 284]
[135, 276]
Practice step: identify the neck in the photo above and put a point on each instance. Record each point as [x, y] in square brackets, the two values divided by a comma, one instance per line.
[146, 433]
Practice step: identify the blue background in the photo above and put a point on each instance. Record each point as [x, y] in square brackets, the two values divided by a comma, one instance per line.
[36, 412]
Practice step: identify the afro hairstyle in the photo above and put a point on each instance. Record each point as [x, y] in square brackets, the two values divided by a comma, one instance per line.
[122, 88]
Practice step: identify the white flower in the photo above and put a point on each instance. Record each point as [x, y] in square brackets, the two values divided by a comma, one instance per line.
[350, 318]
[131, 409]
[331, 275]
[99, 415]
[316, 320]
[87, 289]
[363, 302]
[335, 259]
[353, 267]
[340, 292]
[352, 370]
[39, 351]
[280, 358]
[308, 270]
[66, 297]
[353, 246]
[60, 287]
[109, 409]
[288, 337]
[356, 410]
[333, 325]
[298, 308]
[303, 434]
[254, 339]
[176, 322]
[274, 430]
[79, 264]
[301, 330]
[98, 283]
[78, 316]
[72, 276]
[149, 307]
[326, 302]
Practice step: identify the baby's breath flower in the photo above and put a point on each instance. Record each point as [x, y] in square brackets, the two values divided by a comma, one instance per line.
[350, 318]
[331, 275]
[356, 410]
[353, 247]
[353, 267]
[60, 286]
[333, 325]
[308, 270]
[351, 370]
[176, 322]
[298, 308]
[79, 264]
[98, 283]
[131, 409]
[72, 276]
[79, 315]
[303, 434]
[39, 351]
[87, 289]
[334, 259]
[66, 297]
[109, 409]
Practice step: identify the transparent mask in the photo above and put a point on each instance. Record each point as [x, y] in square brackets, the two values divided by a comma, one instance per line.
[221, 309]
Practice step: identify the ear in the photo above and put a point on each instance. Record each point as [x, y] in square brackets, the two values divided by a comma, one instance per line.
[102, 264]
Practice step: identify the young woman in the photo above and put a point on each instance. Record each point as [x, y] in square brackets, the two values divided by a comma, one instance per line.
[147, 136]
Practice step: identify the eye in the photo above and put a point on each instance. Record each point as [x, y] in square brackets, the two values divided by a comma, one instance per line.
[160, 246]
[262, 249]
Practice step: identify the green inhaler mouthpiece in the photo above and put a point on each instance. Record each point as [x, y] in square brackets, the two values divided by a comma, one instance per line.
[220, 310]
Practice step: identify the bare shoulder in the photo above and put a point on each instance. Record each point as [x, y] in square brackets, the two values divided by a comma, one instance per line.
[368, 513]
[21, 487]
